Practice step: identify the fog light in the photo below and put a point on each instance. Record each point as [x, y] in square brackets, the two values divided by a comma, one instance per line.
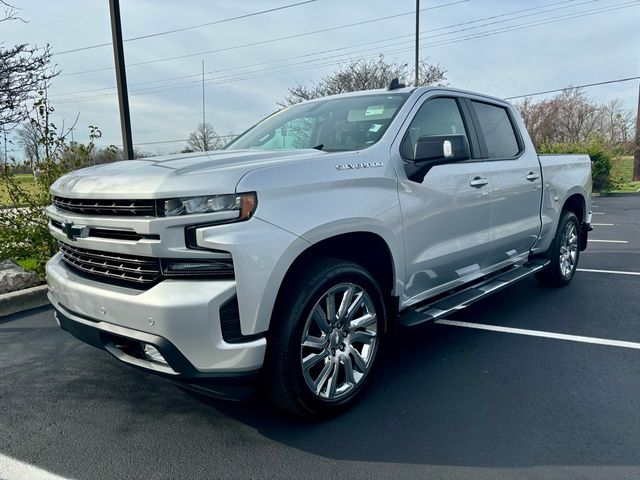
[152, 354]
[222, 267]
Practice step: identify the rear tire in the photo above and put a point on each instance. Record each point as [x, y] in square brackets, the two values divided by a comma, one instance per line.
[564, 253]
[324, 338]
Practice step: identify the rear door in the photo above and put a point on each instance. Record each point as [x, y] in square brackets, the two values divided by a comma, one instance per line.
[515, 179]
[446, 213]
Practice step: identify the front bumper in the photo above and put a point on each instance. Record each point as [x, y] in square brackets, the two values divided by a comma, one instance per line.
[181, 318]
[126, 346]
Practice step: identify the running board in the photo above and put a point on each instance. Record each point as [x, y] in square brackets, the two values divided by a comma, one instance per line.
[463, 298]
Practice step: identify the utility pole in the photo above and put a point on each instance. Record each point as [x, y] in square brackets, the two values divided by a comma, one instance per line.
[636, 152]
[417, 80]
[121, 79]
[204, 121]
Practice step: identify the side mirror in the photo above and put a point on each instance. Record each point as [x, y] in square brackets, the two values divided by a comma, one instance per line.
[441, 149]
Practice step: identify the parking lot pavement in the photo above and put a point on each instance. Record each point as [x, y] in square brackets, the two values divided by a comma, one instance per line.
[447, 401]
[615, 219]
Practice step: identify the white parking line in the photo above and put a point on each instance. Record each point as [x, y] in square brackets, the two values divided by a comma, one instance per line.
[607, 271]
[603, 224]
[597, 213]
[11, 469]
[539, 333]
[606, 241]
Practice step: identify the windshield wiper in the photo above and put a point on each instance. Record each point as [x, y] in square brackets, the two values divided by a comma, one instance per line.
[319, 147]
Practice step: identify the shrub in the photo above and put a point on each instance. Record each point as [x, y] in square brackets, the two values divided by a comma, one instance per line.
[601, 158]
[24, 233]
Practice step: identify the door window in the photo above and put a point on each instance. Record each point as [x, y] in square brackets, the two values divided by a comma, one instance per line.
[438, 116]
[497, 129]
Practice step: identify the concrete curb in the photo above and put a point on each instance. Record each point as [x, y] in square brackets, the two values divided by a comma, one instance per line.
[14, 302]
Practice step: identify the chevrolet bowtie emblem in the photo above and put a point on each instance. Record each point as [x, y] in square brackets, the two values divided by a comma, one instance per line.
[72, 231]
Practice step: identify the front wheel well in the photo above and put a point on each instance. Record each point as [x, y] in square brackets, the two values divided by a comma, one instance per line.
[364, 248]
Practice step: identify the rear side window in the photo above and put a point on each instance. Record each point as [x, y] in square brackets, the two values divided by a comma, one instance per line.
[497, 129]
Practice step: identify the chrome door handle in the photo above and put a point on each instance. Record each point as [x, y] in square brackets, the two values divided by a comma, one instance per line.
[478, 182]
[533, 176]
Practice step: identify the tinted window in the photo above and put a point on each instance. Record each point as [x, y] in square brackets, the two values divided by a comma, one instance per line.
[497, 129]
[439, 116]
[348, 123]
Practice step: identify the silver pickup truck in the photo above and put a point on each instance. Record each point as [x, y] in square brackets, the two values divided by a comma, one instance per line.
[285, 259]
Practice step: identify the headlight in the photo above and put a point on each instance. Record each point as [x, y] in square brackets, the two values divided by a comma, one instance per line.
[243, 204]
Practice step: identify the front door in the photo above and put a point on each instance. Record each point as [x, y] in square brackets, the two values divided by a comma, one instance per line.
[446, 214]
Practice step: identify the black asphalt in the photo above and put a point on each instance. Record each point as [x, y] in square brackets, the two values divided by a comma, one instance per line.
[447, 402]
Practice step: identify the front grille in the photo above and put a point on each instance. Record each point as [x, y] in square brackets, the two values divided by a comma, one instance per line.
[124, 268]
[113, 233]
[131, 208]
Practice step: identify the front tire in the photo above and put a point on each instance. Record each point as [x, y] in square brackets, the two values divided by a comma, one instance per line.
[564, 253]
[324, 337]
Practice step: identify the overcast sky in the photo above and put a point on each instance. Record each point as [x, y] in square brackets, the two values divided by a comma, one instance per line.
[245, 83]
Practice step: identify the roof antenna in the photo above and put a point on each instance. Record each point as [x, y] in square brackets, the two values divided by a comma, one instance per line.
[395, 84]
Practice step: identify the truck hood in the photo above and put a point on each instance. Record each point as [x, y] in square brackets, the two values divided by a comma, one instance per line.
[175, 175]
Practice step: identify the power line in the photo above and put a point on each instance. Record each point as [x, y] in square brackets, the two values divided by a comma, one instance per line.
[445, 42]
[356, 45]
[191, 27]
[586, 85]
[67, 19]
[492, 17]
[288, 69]
[263, 42]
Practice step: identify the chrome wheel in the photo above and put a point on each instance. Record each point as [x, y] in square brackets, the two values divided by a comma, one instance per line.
[339, 341]
[568, 250]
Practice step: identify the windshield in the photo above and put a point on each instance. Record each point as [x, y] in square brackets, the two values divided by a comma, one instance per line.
[339, 124]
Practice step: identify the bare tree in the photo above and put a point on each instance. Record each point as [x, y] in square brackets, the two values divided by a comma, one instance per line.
[578, 118]
[539, 117]
[9, 12]
[28, 138]
[572, 117]
[24, 70]
[619, 122]
[204, 138]
[365, 75]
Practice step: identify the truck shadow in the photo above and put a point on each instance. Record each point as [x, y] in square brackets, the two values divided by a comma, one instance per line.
[451, 396]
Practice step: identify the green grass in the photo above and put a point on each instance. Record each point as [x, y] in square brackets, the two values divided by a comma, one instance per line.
[28, 263]
[622, 173]
[24, 178]
[26, 181]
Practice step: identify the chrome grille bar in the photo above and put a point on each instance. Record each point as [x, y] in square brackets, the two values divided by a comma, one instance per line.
[106, 207]
[129, 268]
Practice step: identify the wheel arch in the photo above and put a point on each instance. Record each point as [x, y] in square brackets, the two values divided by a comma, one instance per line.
[365, 248]
[576, 203]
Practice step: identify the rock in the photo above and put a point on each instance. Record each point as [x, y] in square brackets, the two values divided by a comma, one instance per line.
[13, 277]
[9, 265]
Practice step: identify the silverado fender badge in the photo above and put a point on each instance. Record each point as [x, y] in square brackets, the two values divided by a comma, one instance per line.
[352, 166]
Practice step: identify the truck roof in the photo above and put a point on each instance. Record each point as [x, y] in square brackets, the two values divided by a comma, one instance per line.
[409, 90]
